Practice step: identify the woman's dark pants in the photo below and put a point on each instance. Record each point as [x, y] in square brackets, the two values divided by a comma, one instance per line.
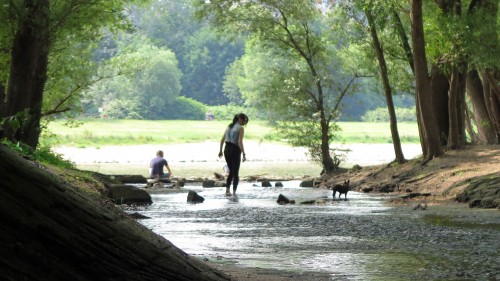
[232, 154]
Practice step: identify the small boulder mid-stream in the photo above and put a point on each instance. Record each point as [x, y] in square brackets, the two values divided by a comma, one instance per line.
[194, 197]
[51, 229]
[283, 200]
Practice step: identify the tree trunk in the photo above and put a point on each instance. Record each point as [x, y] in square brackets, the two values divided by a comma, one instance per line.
[468, 122]
[453, 135]
[28, 72]
[494, 84]
[456, 109]
[462, 107]
[2, 100]
[387, 89]
[419, 125]
[326, 158]
[440, 87]
[481, 117]
[430, 131]
[491, 75]
[492, 98]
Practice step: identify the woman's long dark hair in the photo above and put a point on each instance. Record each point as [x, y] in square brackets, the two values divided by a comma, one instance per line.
[237, 117]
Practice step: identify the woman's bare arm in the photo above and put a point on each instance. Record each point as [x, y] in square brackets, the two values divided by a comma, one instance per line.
[240, 142]
[222, 143]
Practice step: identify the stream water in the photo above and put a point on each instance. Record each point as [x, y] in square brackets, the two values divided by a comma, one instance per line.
[361, 238]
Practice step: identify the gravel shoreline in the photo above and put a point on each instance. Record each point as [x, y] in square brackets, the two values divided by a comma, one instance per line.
[239, 273]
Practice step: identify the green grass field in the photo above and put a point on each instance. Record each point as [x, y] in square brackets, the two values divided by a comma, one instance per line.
[98, 132]
[369, 132]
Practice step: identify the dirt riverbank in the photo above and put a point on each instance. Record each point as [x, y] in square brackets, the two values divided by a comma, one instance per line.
[443, 178]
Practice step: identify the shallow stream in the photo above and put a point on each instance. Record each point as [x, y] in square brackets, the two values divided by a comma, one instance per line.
[362, 238]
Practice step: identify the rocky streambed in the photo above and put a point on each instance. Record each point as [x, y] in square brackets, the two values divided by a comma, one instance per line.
[362, 238]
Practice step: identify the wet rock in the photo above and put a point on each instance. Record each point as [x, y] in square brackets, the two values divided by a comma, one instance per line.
[194, 197]
[283, 200]
[138, 216]
[219, 177]
[163, 180]
[157, 184]
[266, 183]
[307, 183]
[129, 195]
[278, 184]
[208, 183]
[180, 182]
[220, 184]
[129, 178]
[160, 183]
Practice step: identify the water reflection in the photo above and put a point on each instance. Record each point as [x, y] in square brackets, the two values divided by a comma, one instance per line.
[358, 239]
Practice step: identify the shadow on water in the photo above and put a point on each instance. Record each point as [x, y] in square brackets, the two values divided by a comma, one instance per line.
[361, 238]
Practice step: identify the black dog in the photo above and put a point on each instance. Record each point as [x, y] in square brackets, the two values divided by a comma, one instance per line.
[341, 188]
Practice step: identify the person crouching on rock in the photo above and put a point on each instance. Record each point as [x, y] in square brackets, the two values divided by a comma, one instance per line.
[156, 167]
[233, 138]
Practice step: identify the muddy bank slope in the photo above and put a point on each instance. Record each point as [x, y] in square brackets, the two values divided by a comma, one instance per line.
[51, 229]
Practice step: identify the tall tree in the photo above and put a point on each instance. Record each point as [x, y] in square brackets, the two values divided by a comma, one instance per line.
[28, 71]
[369, 12]
[370, 18]
[486, 14]
[484, 40]
[291, 29]
[484, 122]
[203, 54]
[147, 86]
[206, 57]
[37, 25]
[462, 41]
[429, 134]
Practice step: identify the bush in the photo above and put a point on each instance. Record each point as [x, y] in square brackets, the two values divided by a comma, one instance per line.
[186, 109]
[381, 114]
[121, 109]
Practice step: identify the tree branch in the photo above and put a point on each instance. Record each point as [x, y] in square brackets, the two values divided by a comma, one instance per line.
[311, 94]
[61, 102]
[343, 93]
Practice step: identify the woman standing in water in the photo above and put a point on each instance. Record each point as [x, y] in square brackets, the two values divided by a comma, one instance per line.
[233, 138]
